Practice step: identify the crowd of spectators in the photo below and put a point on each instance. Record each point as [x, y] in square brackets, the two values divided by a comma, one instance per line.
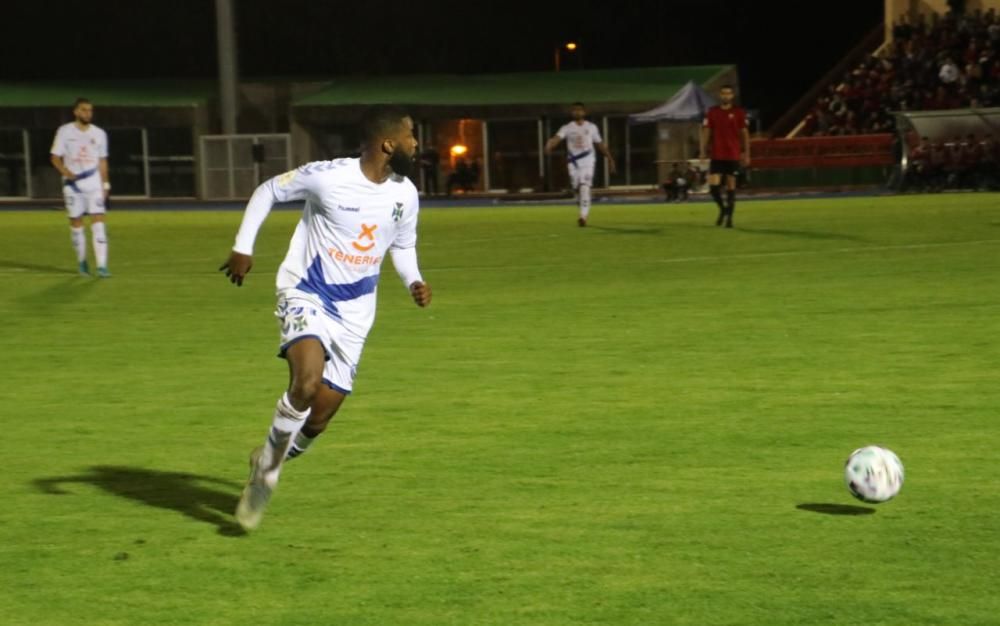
[933, 62]
[963, 162]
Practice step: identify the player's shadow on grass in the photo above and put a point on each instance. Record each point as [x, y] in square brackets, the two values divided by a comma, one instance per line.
[835, 509]
[8, 264]
[203, 498]
[629, 230]
[66, 291]
[800, 234]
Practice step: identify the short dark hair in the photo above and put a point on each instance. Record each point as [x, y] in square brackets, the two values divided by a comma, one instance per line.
[80, 101]
[578, 104]
[378, 121]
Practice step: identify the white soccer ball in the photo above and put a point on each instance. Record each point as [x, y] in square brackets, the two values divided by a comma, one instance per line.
[873, 474]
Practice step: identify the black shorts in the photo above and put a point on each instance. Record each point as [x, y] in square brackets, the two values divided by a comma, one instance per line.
[728, 168]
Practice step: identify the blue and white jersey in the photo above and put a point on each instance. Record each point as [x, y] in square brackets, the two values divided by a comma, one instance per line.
[580, 140]
[348, 224]
[81, 152]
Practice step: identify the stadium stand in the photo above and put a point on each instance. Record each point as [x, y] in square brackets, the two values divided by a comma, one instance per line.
[934, 62]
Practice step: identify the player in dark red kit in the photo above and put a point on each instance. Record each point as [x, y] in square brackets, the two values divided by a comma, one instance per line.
[726, 127]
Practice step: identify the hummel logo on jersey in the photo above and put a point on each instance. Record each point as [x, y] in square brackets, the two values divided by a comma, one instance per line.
[352, 209]
[397, 213]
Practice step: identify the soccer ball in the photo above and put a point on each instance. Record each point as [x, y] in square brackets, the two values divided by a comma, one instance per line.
[873, 474]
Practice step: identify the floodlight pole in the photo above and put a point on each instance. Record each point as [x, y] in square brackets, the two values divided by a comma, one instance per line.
[228, 75]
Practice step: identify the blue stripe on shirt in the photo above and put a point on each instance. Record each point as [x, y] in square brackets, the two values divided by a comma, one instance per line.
[573, 158]
[84, 174]
[329, 293]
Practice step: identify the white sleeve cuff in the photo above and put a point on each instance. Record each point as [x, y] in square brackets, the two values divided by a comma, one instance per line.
[405, 262]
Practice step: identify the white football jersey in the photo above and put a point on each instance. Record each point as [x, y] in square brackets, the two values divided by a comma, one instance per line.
[81, 152]
[348, 224]
[580, 140]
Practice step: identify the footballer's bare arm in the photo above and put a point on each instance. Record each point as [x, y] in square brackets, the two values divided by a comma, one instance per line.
[551, 144]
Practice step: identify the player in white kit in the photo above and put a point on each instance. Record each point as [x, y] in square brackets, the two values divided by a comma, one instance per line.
[355, 211]
[582, 138]
[80, 153]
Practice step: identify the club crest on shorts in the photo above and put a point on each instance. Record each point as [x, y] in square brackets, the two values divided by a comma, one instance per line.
[397, 213]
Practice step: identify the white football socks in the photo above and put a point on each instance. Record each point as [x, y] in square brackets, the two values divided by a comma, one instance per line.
[99, 234]
[584, 201]
[286, 424]
[79, 241]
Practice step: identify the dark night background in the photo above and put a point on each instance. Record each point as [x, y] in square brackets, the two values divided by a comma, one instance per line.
[781, 48]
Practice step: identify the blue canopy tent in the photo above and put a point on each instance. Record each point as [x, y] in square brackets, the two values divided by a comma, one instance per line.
[688, 105]
[678, 122]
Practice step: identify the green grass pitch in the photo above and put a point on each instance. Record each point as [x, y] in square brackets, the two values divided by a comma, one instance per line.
[639, 422]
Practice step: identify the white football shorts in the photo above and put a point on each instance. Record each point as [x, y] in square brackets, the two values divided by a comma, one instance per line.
[79, 203]
[300, 316]
[581, 173]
